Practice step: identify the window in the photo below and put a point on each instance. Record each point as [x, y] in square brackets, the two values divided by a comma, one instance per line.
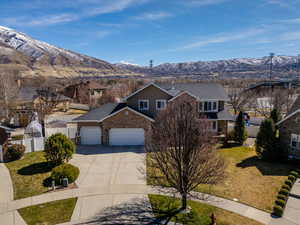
[161, 104]
[214, 125]
[143, 104]
[298, 119]
[295, 142]
[208, 106]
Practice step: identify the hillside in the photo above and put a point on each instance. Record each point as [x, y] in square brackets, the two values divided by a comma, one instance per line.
[37, 58]
[283, 66]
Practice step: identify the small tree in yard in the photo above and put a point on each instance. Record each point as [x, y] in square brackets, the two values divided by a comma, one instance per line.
[59, 149]
[266, 141]
[181, 150]
[240, 133]
[275, 115]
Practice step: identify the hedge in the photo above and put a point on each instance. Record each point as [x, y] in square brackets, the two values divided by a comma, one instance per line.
[65, 171]
[284, 192]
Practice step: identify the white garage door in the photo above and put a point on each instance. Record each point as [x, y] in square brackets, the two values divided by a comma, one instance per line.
[126, 136]
[90, 135]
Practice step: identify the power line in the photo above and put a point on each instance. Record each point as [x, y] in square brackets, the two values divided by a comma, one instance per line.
[271, 64]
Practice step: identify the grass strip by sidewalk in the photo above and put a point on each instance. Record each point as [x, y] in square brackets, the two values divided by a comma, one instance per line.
[49, 213]
[164, 206]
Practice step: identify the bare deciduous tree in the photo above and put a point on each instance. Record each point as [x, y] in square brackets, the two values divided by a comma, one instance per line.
[8, 90]
[181, 148]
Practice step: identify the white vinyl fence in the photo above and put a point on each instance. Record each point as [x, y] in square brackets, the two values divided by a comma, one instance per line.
[32, 144]
[70, 132]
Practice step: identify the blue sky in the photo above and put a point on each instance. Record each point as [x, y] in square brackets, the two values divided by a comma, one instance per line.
[136, 31]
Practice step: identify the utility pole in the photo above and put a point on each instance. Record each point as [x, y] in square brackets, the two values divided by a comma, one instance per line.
[298, 66]
[271, 64]
[151, 64]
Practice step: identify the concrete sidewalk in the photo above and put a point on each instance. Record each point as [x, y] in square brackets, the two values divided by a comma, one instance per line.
[7, 217]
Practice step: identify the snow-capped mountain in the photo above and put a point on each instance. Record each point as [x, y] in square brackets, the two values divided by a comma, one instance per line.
[45, 59]
[231, 67]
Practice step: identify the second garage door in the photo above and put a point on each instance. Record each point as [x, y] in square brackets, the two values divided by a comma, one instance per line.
[90, 135]
[126, 136]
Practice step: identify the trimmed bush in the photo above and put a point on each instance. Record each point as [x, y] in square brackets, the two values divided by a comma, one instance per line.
[284, 192]
[240, 132]
[280, 202]
[65, 171]
[292, 178]
[15, 152]
[59, 149]
[295, 174]
[282, 197]
[287, 187]
[289, 183]
[278, 210]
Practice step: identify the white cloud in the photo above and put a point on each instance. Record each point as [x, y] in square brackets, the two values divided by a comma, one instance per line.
[204, 2]
[295, 20]
[290, 36]
[283, 3]
[222, 38]
[103, 34]
[153, 15]
[80, 9]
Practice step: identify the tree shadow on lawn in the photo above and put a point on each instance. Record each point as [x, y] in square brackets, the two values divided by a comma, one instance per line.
[136, 211]
[36, 168]
[267, 168]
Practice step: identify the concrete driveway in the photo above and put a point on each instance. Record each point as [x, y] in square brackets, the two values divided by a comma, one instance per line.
[111, 172]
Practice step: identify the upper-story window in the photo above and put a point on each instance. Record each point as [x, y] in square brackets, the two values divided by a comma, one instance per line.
[295, 142]
[144, 104]
[161, 104]
[208, 106]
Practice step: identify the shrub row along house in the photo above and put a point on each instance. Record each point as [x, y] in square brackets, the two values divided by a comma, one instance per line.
[129, 122]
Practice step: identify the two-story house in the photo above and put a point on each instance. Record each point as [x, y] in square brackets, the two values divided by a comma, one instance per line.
[129, 122]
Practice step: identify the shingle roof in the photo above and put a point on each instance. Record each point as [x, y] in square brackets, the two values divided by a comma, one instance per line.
[200, 90]
[98, 113]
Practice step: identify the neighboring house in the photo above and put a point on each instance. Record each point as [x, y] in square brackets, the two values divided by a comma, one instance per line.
[129, 122]
[5, 133]
[85, 92]
[29, 97]
[289, 131]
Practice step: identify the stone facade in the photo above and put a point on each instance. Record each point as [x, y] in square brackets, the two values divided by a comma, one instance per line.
[125, 119]
[286, 129]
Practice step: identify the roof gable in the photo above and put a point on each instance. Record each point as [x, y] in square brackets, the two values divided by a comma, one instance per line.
[147, 86]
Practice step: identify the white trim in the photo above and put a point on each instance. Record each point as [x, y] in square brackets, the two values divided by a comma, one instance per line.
[130, 109]
[148, 85]
[183, 92]
[143, 100]
[160, 100]
[75, 121]
[202, 102]
[289, 116]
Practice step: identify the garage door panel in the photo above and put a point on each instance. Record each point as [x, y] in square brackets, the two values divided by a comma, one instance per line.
[126, 136]
[90, 135]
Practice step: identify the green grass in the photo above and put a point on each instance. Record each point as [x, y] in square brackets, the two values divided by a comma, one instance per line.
[29, 175]
[49, 213]
[250, 180]
[166, 207]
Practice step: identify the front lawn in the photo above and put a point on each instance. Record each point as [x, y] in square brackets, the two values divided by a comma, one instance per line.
[49, 213]
[29, 175]
[249, 179]
[164, 207]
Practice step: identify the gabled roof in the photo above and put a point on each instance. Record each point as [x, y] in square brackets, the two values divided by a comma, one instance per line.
[97, 114]
[148, 85]
[106, 111]
[289, 116]
[205, 91]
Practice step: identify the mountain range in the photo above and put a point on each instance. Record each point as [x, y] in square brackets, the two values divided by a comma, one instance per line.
[36, 58]
[283, 66]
